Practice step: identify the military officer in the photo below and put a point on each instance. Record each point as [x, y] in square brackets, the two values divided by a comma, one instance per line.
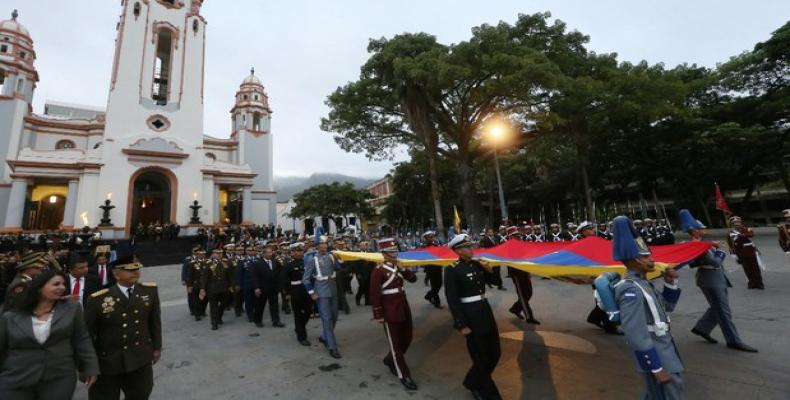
[319, 279]
[784, 232]
[283, 256]
[215, 286]
[30, 268]
[391, 309]
[433, 273]
[644, 314]
[293, 287]
[125, 324]
[186, 268]
[245, 276]
[465, 287]
[197, 268]
[597, 316]
[746, 250]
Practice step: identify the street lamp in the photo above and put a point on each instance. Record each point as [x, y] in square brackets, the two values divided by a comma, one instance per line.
[497, 132]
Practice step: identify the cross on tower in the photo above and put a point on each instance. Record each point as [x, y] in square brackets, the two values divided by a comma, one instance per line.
[252, 71]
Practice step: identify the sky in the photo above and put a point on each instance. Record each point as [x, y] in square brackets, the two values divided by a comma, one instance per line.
[302, 50]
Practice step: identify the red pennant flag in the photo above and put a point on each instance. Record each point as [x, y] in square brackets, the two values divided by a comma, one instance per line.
[721, 203]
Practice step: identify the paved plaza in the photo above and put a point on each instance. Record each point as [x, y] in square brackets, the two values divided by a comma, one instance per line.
[563, 358]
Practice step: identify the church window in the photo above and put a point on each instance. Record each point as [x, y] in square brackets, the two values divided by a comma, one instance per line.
[195, 26]
[256, 97]
[2, 81]
[20, 84]
[164, 49]
[211, 156]
[65, 145]
[158, 123]
[137, 9]
[22, 55]
[3, 48]
[256, 121]
[246, 97]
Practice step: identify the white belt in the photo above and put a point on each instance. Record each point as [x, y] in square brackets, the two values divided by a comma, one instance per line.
[657, 331]
[473, 299]
[748, 244]
[392, 291]
[296, 283]
[325, 278]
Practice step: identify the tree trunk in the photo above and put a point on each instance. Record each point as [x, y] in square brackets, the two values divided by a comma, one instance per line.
[586, 183]
[471, 203]
[437, 203]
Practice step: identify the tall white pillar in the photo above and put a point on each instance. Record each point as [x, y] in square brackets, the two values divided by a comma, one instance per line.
[70, 210]
[217, 205]
[16, 204]
[246, 205]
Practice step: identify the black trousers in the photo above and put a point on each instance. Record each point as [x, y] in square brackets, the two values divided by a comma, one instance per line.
[523, 284]
[342, 288]
[250, 302]
[496, 277]
[136, 385]
[217, 303]
[272, 298]
[302, 309]
[198, 307]
[191, 301]
[237, 302]
[485, 352]
[52, 389]
[434, 275]
[363, 291]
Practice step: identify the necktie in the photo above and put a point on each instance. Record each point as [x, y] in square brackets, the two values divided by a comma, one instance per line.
[129, 292]
[101, 274]
[76, 290]
[270, 264]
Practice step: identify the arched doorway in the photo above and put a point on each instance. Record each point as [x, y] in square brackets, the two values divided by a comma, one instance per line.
[152, 198]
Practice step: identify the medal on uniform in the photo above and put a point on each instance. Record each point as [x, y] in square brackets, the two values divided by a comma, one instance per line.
[108, 306]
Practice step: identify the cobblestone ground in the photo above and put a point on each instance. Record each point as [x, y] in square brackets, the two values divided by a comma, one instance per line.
[563, 358]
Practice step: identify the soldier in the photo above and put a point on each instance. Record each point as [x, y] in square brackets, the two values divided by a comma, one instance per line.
[664, 235]
[215, 287]
[319, 280]
[746, 250]
[566, 235]
[648, 232]
[245, 276]
[197, 268]
[486, 242]
[186, 268]
[712, 280]
[538, 236]
[585, 229]
[293, 287]
[603, 232]
[26, 271]
[472, 317]
[391, 309]
[597, 316]
[644, 314]
[267, 272]
[362, 269]
[125, 324]
[784, 232]
[433, 273]
[282, 256]
[554, 234]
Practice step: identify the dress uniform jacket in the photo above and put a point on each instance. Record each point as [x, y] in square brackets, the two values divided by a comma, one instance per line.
[652, 350]
[291, 279]
[16, 290]
[319, 275]
[125, 331]
[784, 236]
[466, 280]
[387, 294]
[710, 272]
[217, 278]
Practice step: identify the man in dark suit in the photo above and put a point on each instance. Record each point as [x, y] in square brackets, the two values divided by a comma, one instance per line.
[79, 284]
[101, 269]
[125, 324]
[267, 271]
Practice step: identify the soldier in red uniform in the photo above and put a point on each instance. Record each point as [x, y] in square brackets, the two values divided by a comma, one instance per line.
[391, 309]
[740, 240]
[784, 232]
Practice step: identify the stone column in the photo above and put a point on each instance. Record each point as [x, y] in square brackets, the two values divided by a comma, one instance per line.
[70, 210]
[16, 204]
[217, 205]
[246, 205]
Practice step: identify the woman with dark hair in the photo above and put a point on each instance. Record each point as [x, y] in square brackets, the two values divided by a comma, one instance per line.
[44, 343]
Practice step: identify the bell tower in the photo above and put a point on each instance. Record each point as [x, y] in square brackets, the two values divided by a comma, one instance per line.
[157, 75]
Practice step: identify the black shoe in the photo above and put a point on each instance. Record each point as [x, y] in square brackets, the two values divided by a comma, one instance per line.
[502, 288]
[742, 347]
[214, 327]
[704, 335]
[305, 343]
[477, 395]
[259, 324]
[613, 331]
[533, 321]
[335, 354]
[357, 301]
[437, 303]
[197, 317]
[278, 324]
[518, 315]
[347, 311]
[391, 365]
[408, 383]
[220, 322]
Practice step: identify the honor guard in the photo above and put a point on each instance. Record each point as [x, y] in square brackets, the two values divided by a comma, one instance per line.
[537, 234]
[784, 232]
[603, 232]
[319, 280]
[433, 273]
[644, 314]
[125, 324]
[554, 233]
[283, 256]
[664, 235]
[465, 290]
[293, 287]
[597, 316]
[186, 270]
[215, 287]
[197, 270]
[745, 249]
[712, 280]
[391, 309]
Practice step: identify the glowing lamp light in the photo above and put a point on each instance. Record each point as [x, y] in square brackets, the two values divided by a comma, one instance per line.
[53, 199]
[497, 130]
[84, 217]
[109, 196]
[194, 196]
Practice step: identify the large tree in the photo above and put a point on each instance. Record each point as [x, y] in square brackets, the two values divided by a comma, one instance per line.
[332, 200]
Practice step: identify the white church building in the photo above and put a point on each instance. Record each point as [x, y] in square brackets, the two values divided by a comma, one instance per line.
[147, 151]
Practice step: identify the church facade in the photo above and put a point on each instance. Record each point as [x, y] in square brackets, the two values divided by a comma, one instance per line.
[146, 152]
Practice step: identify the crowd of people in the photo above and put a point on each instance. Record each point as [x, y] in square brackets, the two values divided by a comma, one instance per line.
[88, 314]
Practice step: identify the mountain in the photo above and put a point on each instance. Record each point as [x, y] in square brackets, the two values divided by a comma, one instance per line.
[287, 186]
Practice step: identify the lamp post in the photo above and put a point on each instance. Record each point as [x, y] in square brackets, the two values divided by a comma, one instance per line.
[496, 132]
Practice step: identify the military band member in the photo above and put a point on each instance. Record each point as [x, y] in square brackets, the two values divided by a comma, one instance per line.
[125, 324]
[319, 279]
[293, 287]
[784, 232]
[472, 316]
[644, 314]
[712, 280]
[215, 287]
[391, 309]
[433, 273]
[746, 250]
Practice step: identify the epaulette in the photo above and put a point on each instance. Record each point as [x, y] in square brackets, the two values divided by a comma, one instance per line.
[100, 292]
[148, 284]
